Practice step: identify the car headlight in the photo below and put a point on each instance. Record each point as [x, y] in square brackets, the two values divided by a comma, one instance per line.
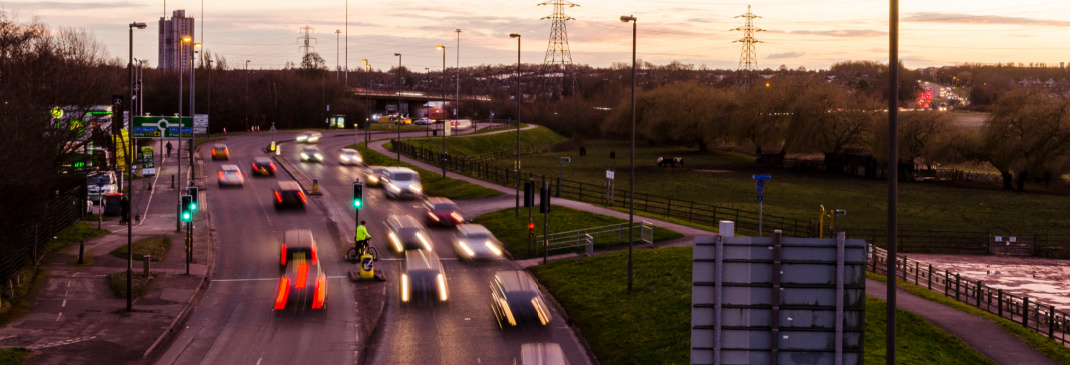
[395, 188]
[373, 179]
[313, 139]
[404, 288]
[415, 188]
[397, 243]
[492, 248]
[442, 288]
[464, 247]
[304, 156]
[319, 157]
[426, 242]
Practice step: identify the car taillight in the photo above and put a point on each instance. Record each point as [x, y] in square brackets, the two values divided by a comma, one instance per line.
[272, 166]
[302, 275]
[213, 152]
[442, 288]
[302, 195]
[315, 257]
[221, 175]
[282, 294]
[278, 197]
[282, 261]
[254, 166]
[321, 293]
[404, 288]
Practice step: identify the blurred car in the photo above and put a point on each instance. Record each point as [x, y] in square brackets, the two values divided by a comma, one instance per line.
[400, 182]
[516, 300]
[100, 183]
[311, 154]
[542, 354]
[220, 152]
[422, 121]
[406, 233]
[350, 156]
[288, 194]
[230, 175]
[443, 212]
[263, 166]
[303, 283]
[475, 242]
[373, 174]
[309, 137]
[423, 277]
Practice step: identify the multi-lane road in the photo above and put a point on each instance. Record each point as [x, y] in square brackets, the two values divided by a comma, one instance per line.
[234, 322]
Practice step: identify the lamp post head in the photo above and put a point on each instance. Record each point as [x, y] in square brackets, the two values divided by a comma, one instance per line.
[398, 54]
[365, 60]
[187, 39]
[441, 48]
[514, 35]
[627, 18]
[137, 25]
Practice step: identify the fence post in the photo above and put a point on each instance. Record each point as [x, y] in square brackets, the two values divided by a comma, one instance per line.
[916, 272]
[904, 269]
[999, 298]
[988, 301]
[947, 281]
[978, 292]
[1025, 312]
[958, 286]
[930, 276]
[1051, 322]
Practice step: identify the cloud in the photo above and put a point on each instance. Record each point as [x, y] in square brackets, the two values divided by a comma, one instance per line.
[52, 5]
[957, 18]
[701, 20]
[786, 55]
[842, 33]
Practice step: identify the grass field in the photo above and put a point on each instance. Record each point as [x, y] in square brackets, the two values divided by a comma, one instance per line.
[155, 247]
[561, 219]
[651, 325]
[13, 356]
[474, 145]
[433, 183]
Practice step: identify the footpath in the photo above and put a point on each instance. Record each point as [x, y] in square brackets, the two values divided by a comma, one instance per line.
[76, 319]
[979, 333]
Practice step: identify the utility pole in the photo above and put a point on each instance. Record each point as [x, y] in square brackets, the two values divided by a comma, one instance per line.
[557, 51]
[307, 38]
[336, 34]
[246, 95]
[457, 107]
[748, 59]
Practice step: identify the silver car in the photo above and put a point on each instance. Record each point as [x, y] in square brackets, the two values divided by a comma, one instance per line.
[350, 157]
[476, 242]
[309, 137]
[230, 175]
[373, 174]
[311, 154]
[401, 182]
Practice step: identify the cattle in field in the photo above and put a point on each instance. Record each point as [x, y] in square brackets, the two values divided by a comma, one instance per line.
[662, 162]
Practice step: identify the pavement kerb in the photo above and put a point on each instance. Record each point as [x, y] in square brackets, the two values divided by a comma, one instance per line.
[183, 316]
[303, 180]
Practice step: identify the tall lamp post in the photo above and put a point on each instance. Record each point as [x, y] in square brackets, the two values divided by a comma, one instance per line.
[443, 49]
[631, 181]
[130, 172]
[367, 119]
[397, 143]
[192, 104]
[517, 162]
[246, 94]
[181, 61]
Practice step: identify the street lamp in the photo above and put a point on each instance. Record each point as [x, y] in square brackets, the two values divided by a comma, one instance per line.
[246, 94]
[631, 181]
[517, 162]
[443, 49]
[192, 101]
[397, 143]
[181, 61]
[130, 172]
[367, 97]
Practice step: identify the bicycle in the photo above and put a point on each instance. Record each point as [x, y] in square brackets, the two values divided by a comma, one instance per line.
[353, 255]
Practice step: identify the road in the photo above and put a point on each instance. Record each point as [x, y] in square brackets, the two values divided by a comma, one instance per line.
[234, 322]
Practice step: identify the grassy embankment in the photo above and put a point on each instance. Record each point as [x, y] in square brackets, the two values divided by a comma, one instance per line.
[433, 183]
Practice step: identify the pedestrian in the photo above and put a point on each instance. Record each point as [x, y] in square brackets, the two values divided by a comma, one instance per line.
[169, 148]
[124, 210]
[583, 151]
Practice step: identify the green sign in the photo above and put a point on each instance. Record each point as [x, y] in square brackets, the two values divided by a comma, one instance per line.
[151, 127]
[566, 160]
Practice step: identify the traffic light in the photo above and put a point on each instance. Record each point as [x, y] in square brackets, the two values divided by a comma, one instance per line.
[531, 229]
[192, 191]
[186, 213]
[358, 195]
[544, 198]
[529, 194]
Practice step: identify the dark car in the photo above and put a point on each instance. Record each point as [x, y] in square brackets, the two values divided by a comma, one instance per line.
[372, 174]
[288, 194]
[423, 278]
[220, 152]
[263, 166]
[442, 212]
[303, 283]
[516, 300]
[542, 354]
[406, 233]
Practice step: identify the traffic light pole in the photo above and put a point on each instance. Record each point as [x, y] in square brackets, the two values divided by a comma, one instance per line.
[530, 207]
[189, 247]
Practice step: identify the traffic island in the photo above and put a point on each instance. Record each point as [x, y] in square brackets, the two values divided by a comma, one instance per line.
[139, 284]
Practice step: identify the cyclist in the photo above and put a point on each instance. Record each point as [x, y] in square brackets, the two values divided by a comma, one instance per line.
[361, 240]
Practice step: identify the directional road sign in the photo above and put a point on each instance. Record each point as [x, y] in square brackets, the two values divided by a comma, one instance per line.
[162, 127]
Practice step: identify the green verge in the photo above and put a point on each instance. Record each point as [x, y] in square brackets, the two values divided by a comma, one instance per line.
[1046, 346]
[651, 325]
[157, 247]
[391, 127]
[76, 232]
[484, 143]
[14, 356]
[512, 230]
[433, 183]
[139, 286]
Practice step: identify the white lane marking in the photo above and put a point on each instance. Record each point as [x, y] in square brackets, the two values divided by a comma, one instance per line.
[64, 305]
[59, 316]
[259, 360]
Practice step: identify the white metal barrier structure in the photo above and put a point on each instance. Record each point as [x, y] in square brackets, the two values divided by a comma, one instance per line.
[582, 242]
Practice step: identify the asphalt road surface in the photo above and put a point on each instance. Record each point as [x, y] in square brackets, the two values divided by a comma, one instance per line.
[234, 323]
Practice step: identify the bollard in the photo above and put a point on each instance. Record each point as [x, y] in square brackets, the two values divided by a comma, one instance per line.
[278, 150]
[147, 259]
[81, 252]
[315, 185]
[172, 181]
[10, 289]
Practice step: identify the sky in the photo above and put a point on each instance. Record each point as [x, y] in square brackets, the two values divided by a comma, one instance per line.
[809, 33]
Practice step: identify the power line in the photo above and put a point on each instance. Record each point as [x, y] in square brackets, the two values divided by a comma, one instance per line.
[748, 58]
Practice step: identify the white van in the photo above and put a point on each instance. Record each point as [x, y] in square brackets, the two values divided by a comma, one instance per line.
[100, 183]
[400, 182]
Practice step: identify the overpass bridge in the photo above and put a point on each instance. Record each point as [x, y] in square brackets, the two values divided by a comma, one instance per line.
[387, 100]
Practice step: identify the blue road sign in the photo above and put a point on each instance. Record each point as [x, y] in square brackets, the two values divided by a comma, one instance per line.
[762, 177]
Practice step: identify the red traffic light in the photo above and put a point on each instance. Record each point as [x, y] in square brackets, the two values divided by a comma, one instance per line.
[531, 225]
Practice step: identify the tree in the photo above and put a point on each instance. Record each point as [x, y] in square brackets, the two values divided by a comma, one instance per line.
[829, 118]
[1028, 135]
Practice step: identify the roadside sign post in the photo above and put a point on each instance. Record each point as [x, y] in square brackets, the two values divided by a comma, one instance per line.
[560, 173]
[609, 186]
[759, 180]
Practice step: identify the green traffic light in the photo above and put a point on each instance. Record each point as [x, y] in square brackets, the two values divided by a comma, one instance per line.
[358, 204]
[193, 206]
[186, 216]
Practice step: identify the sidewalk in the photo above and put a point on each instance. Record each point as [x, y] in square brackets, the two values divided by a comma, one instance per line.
[75, 317]
[983, 335]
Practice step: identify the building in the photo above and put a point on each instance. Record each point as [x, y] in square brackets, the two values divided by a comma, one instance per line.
[171, 33]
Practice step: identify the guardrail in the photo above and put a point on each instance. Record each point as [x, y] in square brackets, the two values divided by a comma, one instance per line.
[1030, 313]
[582, 241]
[27, 239]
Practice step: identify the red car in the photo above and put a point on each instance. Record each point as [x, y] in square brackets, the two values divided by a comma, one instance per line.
[303, 283]
[443, 212]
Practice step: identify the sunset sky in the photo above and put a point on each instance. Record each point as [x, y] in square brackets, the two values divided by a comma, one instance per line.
[809, 33]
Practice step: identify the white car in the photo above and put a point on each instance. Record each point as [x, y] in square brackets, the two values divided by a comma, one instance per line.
[475, 242]
[311, 154]
[350, 157]
[422, 121]
[230, 175]
[401, 182]
[309, 137]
